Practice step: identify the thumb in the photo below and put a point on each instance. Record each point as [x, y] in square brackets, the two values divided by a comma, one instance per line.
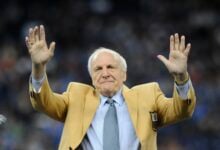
[164, 60]
[52, 47]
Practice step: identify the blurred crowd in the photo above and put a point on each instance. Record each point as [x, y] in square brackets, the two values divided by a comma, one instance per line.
[139, 30]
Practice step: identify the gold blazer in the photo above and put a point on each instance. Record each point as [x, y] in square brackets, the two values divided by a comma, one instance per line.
[148, 107]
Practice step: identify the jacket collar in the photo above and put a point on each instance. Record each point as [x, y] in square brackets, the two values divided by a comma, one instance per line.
[92, 102]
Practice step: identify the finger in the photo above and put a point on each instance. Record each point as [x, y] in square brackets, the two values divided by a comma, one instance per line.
[31, 35]
[36, 34]
[42, 33]
[187, 50]
[182, 43]
[176, 41]
[164, 60]
[52, 47]
[171, 43]
[27, 43]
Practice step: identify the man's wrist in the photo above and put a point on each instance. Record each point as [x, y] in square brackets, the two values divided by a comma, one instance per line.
[38, 71]
[181, 79]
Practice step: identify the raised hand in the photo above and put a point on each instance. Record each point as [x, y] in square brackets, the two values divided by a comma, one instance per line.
[37, 46]
[178, 56]
[38, 50]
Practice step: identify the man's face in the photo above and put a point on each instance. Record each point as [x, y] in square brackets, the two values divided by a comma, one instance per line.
[107, 74]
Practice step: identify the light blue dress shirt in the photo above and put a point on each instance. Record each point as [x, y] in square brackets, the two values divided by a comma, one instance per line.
[127, 135]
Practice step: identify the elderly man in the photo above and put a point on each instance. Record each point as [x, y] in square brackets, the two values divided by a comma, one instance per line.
[109, 115]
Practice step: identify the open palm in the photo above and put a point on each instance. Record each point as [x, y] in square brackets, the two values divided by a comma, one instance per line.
[37, 46]
[178, 56]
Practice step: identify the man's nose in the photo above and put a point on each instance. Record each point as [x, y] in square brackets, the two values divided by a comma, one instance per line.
[105, 73]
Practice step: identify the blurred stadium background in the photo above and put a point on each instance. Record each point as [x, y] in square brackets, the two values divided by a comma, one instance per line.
[139, 30]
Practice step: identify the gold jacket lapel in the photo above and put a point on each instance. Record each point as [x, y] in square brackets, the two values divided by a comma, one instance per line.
[91, 103]
[130, 97]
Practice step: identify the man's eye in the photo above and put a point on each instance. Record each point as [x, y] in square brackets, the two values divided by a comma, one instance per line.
[98, 68]
[110, 67]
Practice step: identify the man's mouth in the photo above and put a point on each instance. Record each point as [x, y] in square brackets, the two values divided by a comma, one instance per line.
[106, 82]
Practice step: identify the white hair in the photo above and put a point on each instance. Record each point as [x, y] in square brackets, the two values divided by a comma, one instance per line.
[115, 54]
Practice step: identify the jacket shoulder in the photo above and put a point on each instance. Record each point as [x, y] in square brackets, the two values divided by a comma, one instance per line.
[150, 85]
[79, 86]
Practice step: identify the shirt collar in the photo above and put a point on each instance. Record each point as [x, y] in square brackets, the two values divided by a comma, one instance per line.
[117, 97]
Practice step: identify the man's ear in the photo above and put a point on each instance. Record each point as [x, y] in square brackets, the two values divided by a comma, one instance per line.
[93, 82]
[125, 76]
[91, 79]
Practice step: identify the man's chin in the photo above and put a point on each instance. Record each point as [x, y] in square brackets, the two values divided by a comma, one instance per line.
[108, 92]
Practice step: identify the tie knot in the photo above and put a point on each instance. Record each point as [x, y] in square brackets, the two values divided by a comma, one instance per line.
[110, 102]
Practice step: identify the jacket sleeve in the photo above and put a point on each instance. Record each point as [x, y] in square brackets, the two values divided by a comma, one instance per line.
[171, 110]
[53, 104]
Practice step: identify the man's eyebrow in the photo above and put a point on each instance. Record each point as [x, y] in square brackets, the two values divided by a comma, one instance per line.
[97, 67]
[111, 65]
